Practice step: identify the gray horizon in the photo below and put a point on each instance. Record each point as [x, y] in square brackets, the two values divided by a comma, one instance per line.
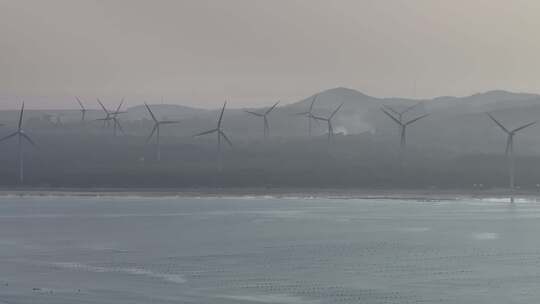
[253, 53]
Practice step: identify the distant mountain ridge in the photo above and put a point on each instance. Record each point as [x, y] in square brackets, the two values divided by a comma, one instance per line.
[360, 113]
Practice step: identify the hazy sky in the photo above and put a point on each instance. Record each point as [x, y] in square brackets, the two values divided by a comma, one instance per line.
[254, 52]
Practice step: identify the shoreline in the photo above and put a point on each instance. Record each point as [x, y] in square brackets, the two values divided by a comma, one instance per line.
[336, 193]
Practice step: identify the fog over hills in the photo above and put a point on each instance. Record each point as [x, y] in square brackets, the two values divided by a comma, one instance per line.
[440, 147]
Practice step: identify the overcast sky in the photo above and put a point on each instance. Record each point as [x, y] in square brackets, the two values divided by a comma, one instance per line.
[254, 52]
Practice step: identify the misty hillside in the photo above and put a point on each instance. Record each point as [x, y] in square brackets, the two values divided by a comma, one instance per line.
[455, 123]
[360, 112]
[455, 145]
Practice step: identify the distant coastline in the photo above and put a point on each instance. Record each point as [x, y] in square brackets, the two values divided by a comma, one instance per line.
[305, 193]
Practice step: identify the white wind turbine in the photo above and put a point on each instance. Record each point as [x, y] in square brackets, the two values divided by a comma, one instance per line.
[22, 136]
[83, 109]
[509, 151]
[218, 130]
[156, 130]
[403, 128]
[264, 115]
[309, 113]
[328, 120]
[220, 134]
[112, 116]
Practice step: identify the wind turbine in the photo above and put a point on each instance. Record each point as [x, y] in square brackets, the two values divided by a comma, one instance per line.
[403, 127]
[21, 137]
[329, 121]
[264, 115]
[509, 151]
[156, 129]
[309, 113]
[106, 119]
[112, 116]
[83, 109]
[115, 119]
[218, 130]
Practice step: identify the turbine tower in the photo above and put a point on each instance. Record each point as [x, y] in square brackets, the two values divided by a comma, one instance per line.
[309, 113]
[83, 109]
[156, 129]
[264, 115]
[403, 127]
[509, 151]
[329, 121]
[21, 137]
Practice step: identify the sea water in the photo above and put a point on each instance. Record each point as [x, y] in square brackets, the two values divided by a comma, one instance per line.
[267, 250]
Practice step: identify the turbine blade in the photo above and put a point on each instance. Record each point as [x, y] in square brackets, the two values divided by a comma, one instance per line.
[416, 119]
[80, 103]
[120, 105]
[206, 132]
[336, 110]
[498, 123]
[313, 102]
[314, 118]
[226, 138]
[8, 137]
[392, 117]
[254, 113]
[21, 116]
[152, 133]
[389, 108]
[221, 114]
[523, 127]
[102, 106]
[319, 118]
[271, 108]
[29, 139]
[411, 107]
[151, 114]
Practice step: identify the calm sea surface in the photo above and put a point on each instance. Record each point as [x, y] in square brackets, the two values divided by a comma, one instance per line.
[267, 250]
